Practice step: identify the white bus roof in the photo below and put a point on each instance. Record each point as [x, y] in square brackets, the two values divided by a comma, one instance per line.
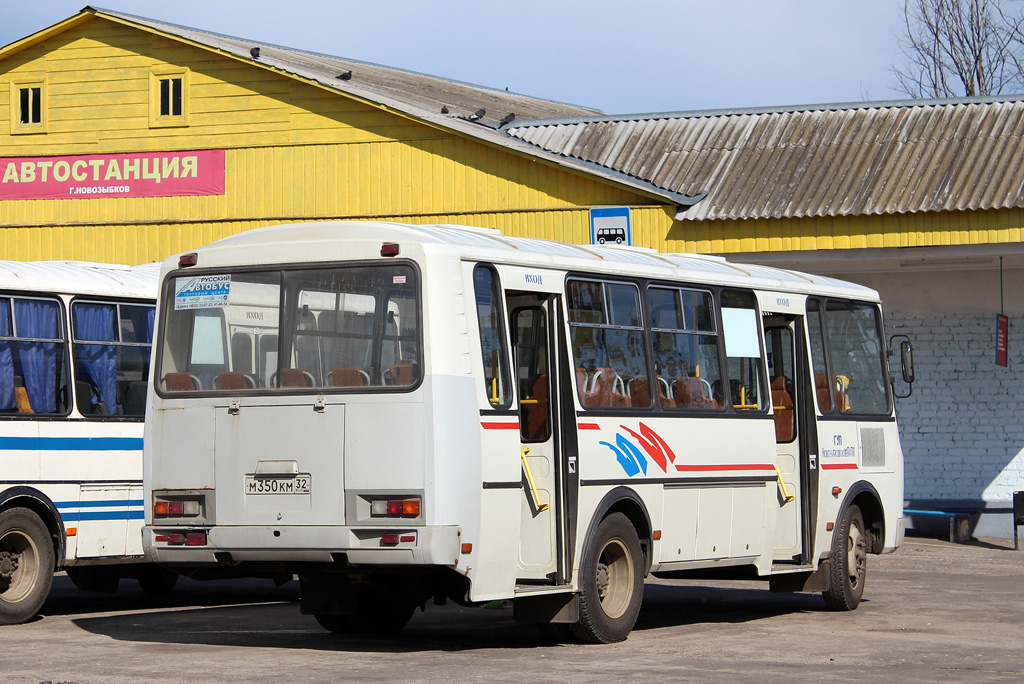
[80, 278]
[335, 241]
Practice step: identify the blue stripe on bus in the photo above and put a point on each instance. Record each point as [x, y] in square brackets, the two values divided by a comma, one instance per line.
[99, 504]
[101, 515]
[71, 443]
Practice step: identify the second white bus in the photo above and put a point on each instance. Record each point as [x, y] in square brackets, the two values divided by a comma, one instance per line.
[400, 414]
[75, 342]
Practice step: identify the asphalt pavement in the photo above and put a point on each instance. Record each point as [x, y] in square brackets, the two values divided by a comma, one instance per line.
[933, 611]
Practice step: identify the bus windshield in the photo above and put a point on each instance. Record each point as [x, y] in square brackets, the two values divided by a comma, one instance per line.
[340, 328]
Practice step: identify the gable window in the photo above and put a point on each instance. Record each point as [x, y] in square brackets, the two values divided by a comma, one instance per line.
[28, 107]
[168, 98]
[31, 105]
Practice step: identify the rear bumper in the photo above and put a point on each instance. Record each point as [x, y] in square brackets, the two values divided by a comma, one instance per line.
[437, 545]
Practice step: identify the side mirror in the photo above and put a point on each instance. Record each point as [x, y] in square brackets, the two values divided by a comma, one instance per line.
[906, 364]
[907, 361]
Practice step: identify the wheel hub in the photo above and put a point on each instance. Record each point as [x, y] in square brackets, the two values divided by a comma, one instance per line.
[602, 580]
[8, 564]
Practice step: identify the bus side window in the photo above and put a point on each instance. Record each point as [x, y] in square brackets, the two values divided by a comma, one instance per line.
[492, 335]
[607, 337]
[685, 347]
[32, 344]
[743, 351]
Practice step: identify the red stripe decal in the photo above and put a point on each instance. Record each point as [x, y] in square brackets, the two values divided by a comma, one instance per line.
[838, 466]
[500, 426]
[728, 466]
[589, 426]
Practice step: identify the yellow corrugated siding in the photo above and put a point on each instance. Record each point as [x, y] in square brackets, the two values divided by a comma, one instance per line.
[846, 232]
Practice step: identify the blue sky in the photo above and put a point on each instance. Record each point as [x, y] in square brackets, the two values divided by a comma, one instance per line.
[620, 57]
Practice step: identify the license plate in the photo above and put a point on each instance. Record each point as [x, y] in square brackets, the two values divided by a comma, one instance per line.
[299, 484]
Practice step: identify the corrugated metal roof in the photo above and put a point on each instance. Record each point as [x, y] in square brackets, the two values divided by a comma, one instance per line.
[826, 160]
[373, 81]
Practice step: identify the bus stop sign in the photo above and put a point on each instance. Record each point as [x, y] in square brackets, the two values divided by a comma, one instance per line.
[610, 225]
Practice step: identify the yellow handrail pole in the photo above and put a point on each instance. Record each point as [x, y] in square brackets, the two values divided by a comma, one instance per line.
[533, 487]
[786, 496]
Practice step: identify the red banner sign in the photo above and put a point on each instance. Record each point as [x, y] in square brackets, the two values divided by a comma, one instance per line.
[143, 174]
[1002, 324]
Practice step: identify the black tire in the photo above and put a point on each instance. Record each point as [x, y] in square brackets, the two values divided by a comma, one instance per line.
[611, 582]
[157, 581]
[26, 565]
[848, 563]
[377, 613]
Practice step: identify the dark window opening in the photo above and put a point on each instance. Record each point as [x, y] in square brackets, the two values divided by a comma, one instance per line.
[170, 97]
[31, 105]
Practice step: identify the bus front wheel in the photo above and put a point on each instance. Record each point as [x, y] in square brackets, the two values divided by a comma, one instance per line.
[848, 563]
[611, 582]
[26, 565]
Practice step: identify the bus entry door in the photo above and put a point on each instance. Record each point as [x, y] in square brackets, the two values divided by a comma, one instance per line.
[785, 361]
[540, 532]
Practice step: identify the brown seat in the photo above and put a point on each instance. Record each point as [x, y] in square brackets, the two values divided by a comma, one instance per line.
[821, 391]
[349, 377]
[640, 391]
[691, 394]
[181, 382]
[402, 374]
[785, 413]
[296, 377]
[234, 380]
[605, 389]
[535, 410]
[582, 384]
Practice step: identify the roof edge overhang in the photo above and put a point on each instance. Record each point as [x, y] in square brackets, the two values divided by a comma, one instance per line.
[45, 34]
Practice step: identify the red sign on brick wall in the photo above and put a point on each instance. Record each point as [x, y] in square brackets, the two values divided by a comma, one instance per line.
[142, 174]
[1002, 325]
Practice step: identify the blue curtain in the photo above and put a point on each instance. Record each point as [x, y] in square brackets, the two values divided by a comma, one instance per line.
[97, 363]
[6, 361]
[39, 360]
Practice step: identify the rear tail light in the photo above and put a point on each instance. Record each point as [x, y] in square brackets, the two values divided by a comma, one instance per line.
[191, 538]
[396, 538]
[176, 508]
[395, 508]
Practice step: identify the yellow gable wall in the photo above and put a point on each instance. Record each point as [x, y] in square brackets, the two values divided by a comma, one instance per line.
[294, 151]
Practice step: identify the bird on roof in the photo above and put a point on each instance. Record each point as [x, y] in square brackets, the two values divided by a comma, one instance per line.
[478, 114]
[255, 52]
[345, 75]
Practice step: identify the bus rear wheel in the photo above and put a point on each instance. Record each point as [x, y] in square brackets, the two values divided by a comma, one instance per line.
[26, 565]
[611, 582]
[848, 563]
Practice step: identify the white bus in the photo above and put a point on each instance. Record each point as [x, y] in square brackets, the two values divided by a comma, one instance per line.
[399, 413]
[75, 342]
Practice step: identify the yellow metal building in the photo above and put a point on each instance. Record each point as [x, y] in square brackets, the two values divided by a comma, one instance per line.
[304, 137]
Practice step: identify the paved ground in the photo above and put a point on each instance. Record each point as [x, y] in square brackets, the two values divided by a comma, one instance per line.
[934, 611]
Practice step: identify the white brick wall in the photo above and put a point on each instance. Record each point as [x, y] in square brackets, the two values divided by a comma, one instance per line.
[962, 430]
